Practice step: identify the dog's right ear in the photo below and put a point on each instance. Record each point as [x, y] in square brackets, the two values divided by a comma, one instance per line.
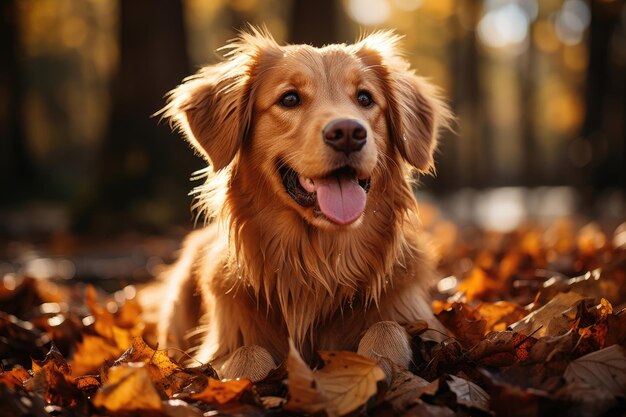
[213, 108]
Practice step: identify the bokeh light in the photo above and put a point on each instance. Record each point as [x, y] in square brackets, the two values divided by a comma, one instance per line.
[504, 26]
[369, 12]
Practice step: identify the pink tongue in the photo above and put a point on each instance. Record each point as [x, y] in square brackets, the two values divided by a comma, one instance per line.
[341, 199]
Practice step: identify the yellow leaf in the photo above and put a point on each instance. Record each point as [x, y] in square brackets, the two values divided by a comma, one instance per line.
[129, 388]
[344, 384]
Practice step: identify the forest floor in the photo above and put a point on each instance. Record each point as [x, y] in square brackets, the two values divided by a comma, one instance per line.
[536, 316]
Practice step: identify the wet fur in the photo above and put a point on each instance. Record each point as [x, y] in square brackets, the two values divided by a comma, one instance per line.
[266, 270]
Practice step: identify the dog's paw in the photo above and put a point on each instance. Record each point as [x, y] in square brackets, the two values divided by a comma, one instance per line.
[252, 362]
[387, 339]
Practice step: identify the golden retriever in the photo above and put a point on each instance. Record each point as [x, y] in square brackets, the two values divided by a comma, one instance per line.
[314, 232]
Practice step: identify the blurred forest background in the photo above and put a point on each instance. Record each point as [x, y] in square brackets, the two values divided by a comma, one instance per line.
[538, 86]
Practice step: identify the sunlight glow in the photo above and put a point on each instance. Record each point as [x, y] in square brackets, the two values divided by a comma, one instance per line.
[504, 26]
[368, 12]
[501, 209]
[572, 21]
[408, 5]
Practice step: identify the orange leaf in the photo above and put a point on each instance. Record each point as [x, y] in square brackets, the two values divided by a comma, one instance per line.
[478, 283]
[14, 378]
[128, 388]
[222, 392]
[91, 353]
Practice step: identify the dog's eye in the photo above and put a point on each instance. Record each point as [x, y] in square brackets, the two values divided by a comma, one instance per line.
[291, 99]
[364, 98]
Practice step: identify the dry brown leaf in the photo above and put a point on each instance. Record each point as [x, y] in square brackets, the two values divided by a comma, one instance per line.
[343, 385]
[502, 349]
[464, 323]
[53, 360]
[468, 393]
[551, 319]
[14, 378]
[91, 353]
[87, 383]
[51, 379]
[585, 400]
[304, 390]
[605, 368]
[553, 347]
[163, 372]
[222, 392]
[129, 388]
[405, 388]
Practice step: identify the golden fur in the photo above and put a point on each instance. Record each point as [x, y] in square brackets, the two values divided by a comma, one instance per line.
[267, 269]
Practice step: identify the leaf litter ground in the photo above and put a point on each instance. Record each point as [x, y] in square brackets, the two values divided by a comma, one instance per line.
[536, 321]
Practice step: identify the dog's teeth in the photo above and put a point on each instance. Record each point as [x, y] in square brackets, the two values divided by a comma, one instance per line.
[307, 183]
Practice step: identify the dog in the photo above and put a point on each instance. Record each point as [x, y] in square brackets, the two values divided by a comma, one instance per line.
[314, 234]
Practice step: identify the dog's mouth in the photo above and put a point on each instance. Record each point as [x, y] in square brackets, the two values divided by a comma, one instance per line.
[339, 196]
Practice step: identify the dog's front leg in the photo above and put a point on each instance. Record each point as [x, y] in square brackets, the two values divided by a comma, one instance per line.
[252, 362]
[389, 340]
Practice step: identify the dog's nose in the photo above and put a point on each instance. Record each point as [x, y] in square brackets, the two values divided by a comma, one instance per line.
[345, 135]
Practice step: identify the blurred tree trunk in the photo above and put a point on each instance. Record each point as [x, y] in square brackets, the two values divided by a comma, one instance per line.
[17, 174]
[603, 99]
[460, 160]
[143, 168]
[314, 22]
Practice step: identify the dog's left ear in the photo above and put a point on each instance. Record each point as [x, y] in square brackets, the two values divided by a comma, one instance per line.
[415, 110]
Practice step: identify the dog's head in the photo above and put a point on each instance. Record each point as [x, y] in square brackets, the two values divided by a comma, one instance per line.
[322, 126]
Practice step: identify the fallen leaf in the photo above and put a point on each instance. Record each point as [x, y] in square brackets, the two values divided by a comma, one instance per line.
[348, 380]
[468, 393]
[548, 320]
[91, 352]
[605, 368]
[464, 323]
[502, 349]
[478, 283]
[405, 387]
[14, 378]
[222, 392]
[129, 388]
[166, 375]
[53, 360]
[343, 385]
[616, 333]
[304, 391]
[51, 378]
[88, 384]
[500, 314]
[585, 400]
[549, 348]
